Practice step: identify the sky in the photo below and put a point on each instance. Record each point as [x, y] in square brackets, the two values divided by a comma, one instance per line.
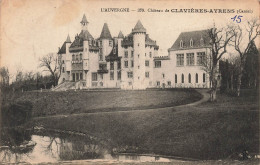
[31, 29]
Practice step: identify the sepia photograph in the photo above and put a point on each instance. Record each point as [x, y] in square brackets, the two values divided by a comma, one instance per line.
[129, 82]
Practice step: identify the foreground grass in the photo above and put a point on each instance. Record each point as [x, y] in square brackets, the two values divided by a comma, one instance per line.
[52, 103]
[208, 131]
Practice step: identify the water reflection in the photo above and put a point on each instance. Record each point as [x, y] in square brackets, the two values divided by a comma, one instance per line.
[59, 147]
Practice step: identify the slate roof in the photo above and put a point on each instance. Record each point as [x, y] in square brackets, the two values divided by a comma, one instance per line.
[139, 28]
[200, 39]
[83, 36]
[105, 34]
[84, 19]
[128, 41]
[63, 47]
[120, 35]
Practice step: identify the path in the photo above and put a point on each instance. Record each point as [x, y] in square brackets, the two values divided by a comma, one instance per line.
[203, 92]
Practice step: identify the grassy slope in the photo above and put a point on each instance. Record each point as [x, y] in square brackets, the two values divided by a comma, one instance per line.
[208, 131]
[51, 103]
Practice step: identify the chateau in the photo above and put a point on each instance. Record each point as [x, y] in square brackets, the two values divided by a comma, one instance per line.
[132, 61]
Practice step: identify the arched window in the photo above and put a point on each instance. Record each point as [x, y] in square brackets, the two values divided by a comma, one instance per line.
[189, 78]
[176, 78]
[204, 77]
[181, 44]
[191, 43]
[197, 78]
[182, 78]
[73, 57]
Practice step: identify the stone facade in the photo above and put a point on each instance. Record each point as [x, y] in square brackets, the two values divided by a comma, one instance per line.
[133, 62]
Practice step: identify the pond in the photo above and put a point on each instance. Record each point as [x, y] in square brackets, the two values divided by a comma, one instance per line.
[37, 147]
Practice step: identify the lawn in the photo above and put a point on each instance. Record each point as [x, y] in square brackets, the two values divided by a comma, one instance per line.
[70, 102]
[208, 131]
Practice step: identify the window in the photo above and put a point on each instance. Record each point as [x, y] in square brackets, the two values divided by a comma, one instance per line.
[119, 65]
[114, 50]
[150, 83]
[132, 63]
[181, 44]
[73, 57]
[201, 42]
[102, 66]
[204, 77]
[200, 58]
[150, 54]
[111, 75]
[119, 75]
[63, 61]
[132, 53]
[94, 76]
[176, 80]
[197, 78]
[80, 56]
[169, 83]
[110, 43]
[146, 63]
[182, 78]
[163, 75]
[138, 67]
[191, 43]
[189, 77]
[126, 54]
[157, 64]
[63, 70]
[130, 74]
[81, 76]
[147, 74]
[111, 65]
[126, 64]
[190, 58]
[101, 76]
[180, 59]
[158, 83]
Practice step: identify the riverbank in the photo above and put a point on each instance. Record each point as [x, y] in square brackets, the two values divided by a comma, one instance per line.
[205, 131]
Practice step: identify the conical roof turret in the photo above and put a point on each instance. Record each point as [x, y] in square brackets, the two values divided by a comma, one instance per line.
[120, 35]
[105, 34]
[139, 28]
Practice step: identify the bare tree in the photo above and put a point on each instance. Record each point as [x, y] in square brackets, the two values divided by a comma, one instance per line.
[242, 43]
[5, 76]
[52, 63]
[219, 40]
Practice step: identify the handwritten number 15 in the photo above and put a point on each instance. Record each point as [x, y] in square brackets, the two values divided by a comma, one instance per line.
[237, 18]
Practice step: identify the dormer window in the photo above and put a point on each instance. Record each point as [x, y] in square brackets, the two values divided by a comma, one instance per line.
[191, 43]
[181, 44]
[201, 42]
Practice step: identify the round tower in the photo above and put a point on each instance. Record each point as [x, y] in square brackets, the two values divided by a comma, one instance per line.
[139, 33]
[106, 41]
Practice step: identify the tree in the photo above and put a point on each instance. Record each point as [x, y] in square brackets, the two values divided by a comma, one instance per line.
[52, 63]
[242, 43]
[5, 76]
[219, 40]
